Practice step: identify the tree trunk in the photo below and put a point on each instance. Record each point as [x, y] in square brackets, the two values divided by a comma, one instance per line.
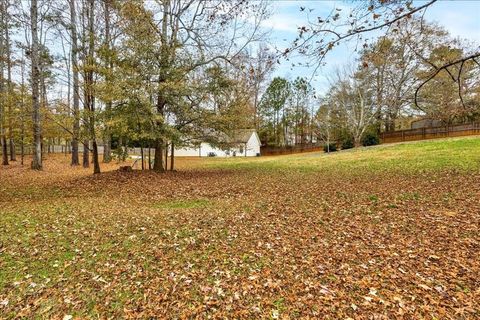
[89, 97]
[172, 157]
[357, 141]
[107, 147]
[22, 112]
[76, 92]
[86, 153]
[4, 151]
[96, 164]
[22, 151]
[159, 143]
[165, 57]
[166, 156]
[158, 157]
[390, 123]
[107, 144]
[149, 156]
[13, 156]
[3, 140]
[34, 54]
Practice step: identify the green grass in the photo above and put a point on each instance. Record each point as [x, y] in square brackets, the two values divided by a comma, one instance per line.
[461, 154]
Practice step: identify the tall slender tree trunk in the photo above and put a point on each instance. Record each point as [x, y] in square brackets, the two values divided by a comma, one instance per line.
[107, 144]
[159, 143]
[166, 156]
[149, 156]
[86, 153]
[13, 156]
[4, 150]
[89, 97]
[295, 130]
[3, 140]
[76, 92]
[96, 164]
[275, 135]
[22, 112]
[172, 157]
[35, 79]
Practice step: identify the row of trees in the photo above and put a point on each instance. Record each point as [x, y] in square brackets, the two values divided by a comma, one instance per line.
[153, 73]
[286, 112]
[390, 82]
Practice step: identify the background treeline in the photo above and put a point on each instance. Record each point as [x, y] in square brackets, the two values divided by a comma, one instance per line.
[383, 91]
[116, 73]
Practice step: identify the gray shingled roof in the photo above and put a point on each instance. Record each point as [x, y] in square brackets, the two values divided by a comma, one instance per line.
[242, 135]
[238, 136]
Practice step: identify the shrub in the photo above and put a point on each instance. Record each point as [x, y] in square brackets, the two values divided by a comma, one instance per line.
[370, 139]
[332, 147]
[347, 143]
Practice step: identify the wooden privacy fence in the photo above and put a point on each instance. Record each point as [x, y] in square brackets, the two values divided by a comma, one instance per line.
[273, 151]
[469, 129]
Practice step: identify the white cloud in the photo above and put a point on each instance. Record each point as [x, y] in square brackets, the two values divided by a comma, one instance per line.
[461, 26]
[283, 22]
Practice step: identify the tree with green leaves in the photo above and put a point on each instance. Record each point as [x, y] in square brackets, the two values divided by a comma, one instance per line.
[301, 98]
[184, 37]
[273, 111]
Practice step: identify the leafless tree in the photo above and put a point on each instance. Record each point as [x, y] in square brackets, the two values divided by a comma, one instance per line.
[322, 34]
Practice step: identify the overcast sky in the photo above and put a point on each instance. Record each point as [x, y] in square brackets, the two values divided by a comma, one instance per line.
[460, 18]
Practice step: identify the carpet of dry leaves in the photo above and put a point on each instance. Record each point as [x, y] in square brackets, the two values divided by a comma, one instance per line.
[238, 243]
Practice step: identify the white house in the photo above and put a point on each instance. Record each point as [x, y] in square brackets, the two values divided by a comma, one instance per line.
[245, 143]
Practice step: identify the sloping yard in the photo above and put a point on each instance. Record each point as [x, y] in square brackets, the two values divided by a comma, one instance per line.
[378, 233]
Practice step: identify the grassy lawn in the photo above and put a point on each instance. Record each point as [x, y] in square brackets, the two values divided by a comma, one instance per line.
[410, 157]
[383, 232]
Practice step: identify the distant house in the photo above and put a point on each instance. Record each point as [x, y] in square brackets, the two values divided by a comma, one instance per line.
[425, 123]
[244, 143]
